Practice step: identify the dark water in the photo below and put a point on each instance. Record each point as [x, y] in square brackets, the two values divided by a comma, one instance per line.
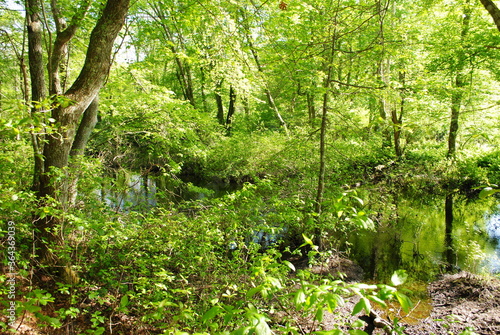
[430, 237]
[422, 235]
[133, 191]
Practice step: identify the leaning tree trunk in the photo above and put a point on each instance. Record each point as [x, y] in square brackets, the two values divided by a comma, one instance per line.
[493, 10]
[56, 152]
[87, 124]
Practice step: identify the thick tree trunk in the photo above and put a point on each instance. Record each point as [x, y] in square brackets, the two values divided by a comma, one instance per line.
[493, 10]
[49, 236]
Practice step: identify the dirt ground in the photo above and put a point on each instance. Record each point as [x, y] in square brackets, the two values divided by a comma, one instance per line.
[462, 300]
[453, 304]
[456, 303]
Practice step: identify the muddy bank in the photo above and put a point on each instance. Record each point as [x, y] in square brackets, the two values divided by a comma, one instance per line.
[462, 301]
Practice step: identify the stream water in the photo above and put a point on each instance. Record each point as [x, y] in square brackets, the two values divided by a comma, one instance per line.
[422, 235]
[425, 237]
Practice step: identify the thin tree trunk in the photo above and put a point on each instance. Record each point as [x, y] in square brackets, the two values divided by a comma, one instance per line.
[322, 144]
[458, 84]
[220, 104]
[397, 120]
[269, 96]
[183, 69]
[311, 108]
[232, 106]
[37, 76]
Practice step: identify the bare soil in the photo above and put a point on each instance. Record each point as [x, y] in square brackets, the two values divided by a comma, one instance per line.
[462, 301]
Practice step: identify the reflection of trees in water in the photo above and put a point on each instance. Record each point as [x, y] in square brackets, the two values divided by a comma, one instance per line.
[427, 236]
[449, 253]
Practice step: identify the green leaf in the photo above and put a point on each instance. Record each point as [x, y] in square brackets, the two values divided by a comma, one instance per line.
[290, 265]
[319, 315]
[405, 302]
[357, 332]
[488, 191]
[241, 331]
[300, 298]
[211, 313]
[124, 302]
[376, 299]
[363, 304]
[399, 277]
[307, 239]
[262, 328]
[358, 323]
[330, 332]
[253, 291]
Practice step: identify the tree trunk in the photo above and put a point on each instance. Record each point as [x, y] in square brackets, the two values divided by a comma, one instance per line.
[56, 151]
[232, 105]
[87, 125]
[493, 10]
[220, 104]
[311, 108]
[397, 120]
[458, 84]
[322, 144]
[269, 96]
[37, 76]
[183, 69]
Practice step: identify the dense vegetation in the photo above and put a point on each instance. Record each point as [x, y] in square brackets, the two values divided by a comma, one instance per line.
[260, 124]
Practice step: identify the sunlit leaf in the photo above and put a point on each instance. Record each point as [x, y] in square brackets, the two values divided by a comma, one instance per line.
[399, 277]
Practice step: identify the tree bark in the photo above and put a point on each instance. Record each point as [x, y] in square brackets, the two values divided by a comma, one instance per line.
[232, 106]
[37, 76]
[320, 190]
[48, 235]
[87, 125]
[220, 104]
[458, 84]
[397, 120]
[493, 10]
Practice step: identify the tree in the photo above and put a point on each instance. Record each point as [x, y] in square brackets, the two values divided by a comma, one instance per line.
[493, 10]
[67, 107]
[459, 81]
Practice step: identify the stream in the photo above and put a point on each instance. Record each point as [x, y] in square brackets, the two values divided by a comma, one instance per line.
[422, 236]
[425, 236]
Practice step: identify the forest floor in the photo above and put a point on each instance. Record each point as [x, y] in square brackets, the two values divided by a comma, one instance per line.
[462, 300]
[452, 304]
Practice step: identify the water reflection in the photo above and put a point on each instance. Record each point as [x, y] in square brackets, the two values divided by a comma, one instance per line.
[430, 237]
[493, 230]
